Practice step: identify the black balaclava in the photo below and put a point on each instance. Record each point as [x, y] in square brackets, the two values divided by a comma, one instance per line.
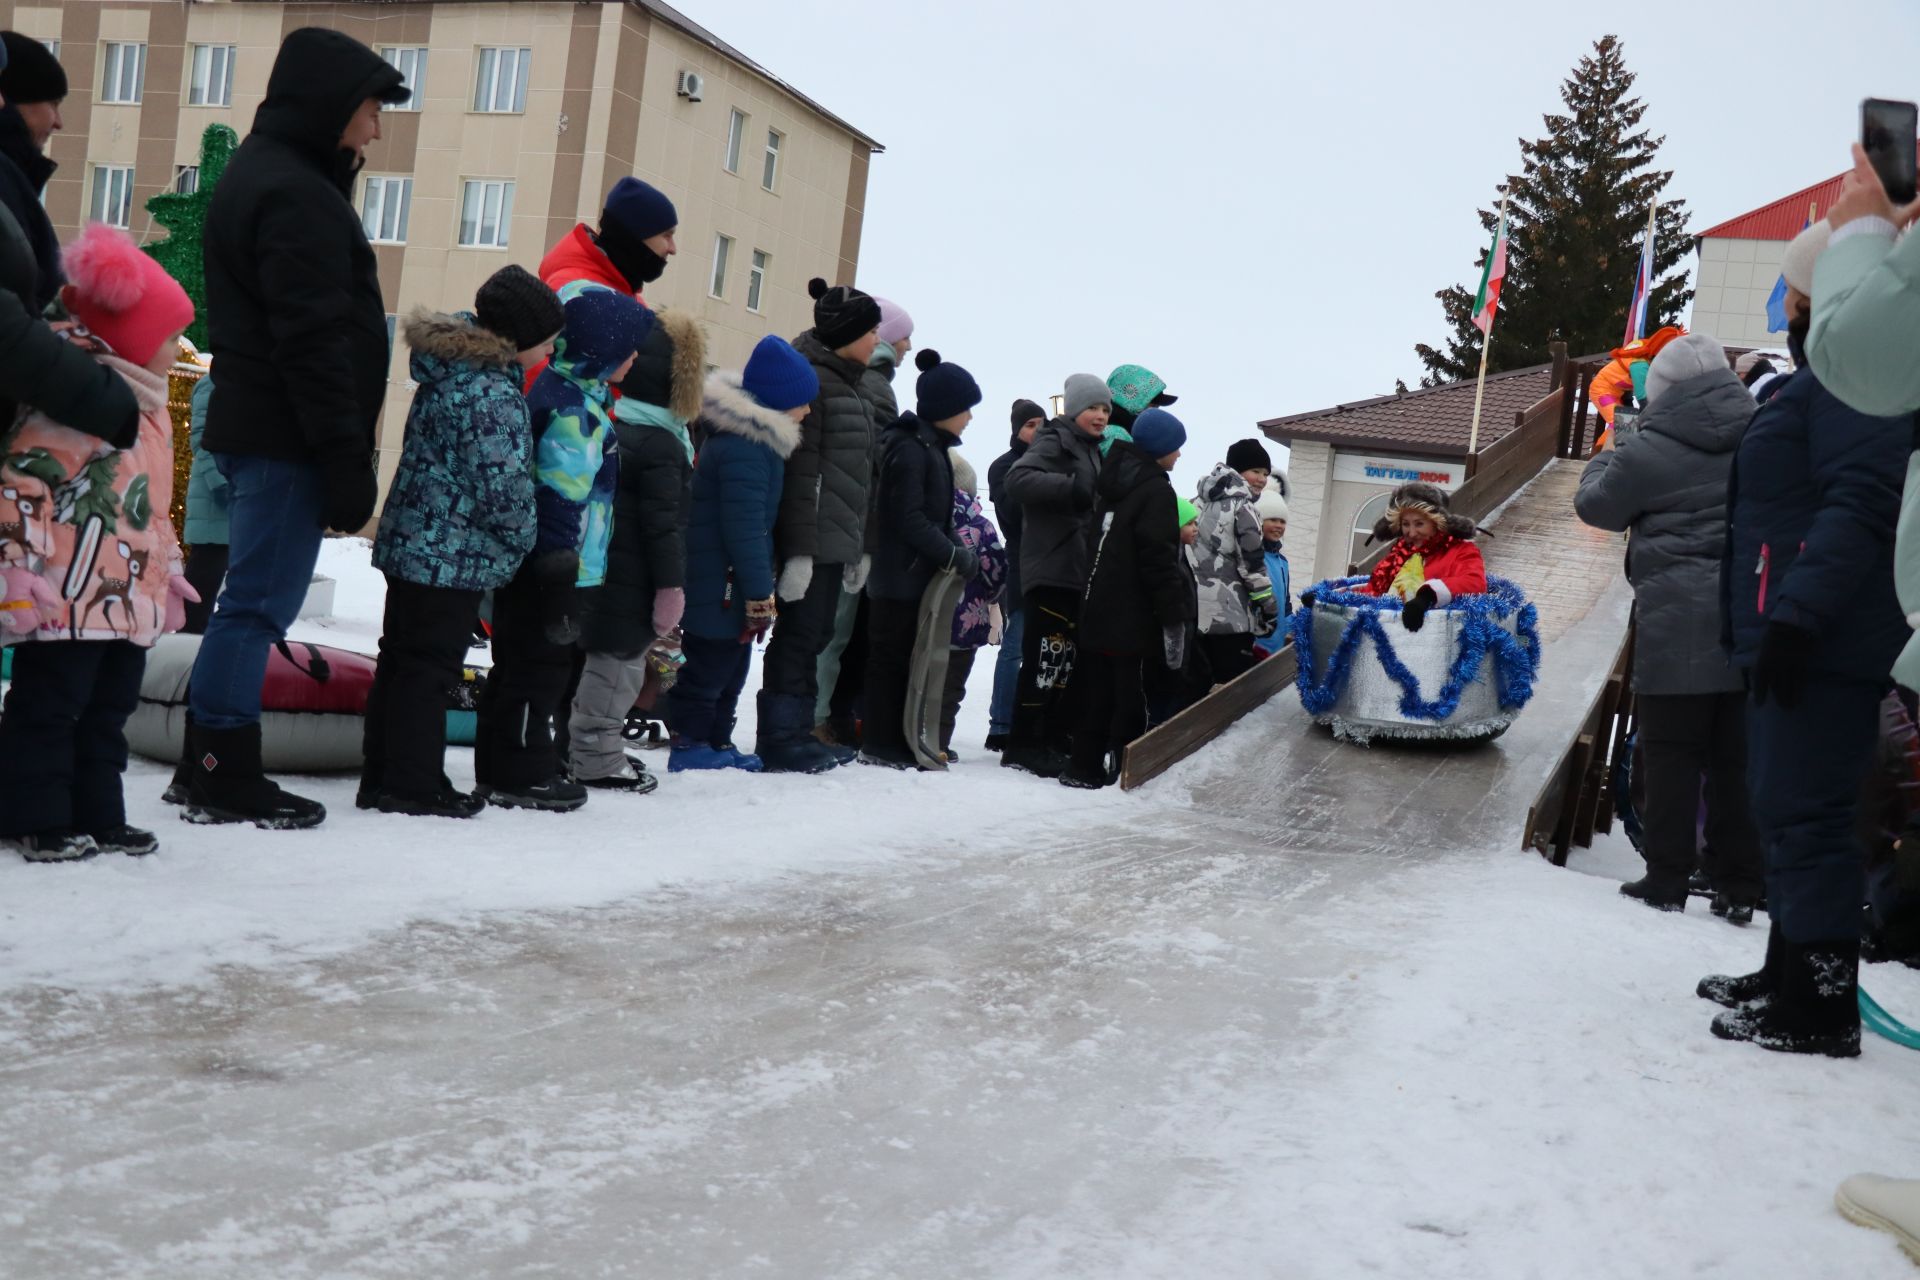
[630, 256]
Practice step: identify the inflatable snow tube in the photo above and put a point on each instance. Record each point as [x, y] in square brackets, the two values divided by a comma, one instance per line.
[1463, 676]
[313, 705]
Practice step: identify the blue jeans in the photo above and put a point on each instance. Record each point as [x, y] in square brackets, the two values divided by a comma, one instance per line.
[1006, 671]
[275, 536]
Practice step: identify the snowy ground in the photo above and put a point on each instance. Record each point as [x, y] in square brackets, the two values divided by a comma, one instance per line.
[1296, 1010]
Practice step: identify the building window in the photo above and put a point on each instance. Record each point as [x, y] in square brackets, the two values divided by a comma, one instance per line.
[501, 81]
[736, 134]
[125, 76]
[113, 195]
[186, 179]
[384, 209]
[486, 214]
[211, 84]
[757, 279]
[772, 172]
[1363, 522]
[722, 250]
[411, 63]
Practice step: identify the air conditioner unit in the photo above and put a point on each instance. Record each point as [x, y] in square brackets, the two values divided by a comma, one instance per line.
[689, 86]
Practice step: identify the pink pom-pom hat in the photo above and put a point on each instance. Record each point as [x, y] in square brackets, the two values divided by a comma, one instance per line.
[121, 294]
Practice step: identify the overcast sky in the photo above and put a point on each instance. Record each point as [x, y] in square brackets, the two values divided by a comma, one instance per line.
[1258, 200]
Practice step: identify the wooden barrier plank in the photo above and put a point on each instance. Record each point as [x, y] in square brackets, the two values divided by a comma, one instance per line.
[1160, 749]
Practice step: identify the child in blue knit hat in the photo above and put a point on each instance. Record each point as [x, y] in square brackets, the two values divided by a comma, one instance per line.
[749, 426]
[535, 617]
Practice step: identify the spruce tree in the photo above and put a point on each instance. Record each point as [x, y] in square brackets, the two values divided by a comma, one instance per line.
[1576, 217]
[185, 220]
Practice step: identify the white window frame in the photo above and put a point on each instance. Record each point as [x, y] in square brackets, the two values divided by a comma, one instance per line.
[1364, 519]
[474, 194]
[186, 179]
[500, 74]
[386, 203]
[736, 138]
[770, 171]
[722, 255]
[210, 75]
[411, 62]
[760, 265]
[112, 195]
[121, 63]
[53, 47]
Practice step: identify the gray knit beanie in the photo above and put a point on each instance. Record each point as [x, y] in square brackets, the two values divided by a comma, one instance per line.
[1084, 391]
[965, 478]
[1686, 357]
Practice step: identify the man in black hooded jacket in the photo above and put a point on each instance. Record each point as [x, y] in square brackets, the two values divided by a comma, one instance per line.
[33, 84]
[36, 367]
[299, 333]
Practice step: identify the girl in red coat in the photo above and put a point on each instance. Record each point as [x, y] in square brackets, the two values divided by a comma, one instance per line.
[1432, 561]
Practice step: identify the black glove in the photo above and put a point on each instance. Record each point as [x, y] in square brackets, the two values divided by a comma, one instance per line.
[966, 563]
[348, 490]
[1414, 616]
[557, 573]
[1307, 598]
[1780, 671]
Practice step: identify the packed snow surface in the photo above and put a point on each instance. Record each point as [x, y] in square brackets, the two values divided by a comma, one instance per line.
[1295, 1010]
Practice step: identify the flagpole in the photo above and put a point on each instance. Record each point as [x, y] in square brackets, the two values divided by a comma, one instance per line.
[1486, 340]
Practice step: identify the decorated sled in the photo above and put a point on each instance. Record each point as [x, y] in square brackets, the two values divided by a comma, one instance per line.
[1463, 676]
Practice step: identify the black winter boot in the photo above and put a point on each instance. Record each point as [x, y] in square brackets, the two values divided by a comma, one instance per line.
[1816, 1008]
[132, 841]
[786, 741]
[1724, 988]
[1658, 895]
[179, 788]
[228, 784]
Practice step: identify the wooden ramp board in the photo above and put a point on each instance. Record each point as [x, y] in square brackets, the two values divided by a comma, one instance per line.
[1158, 751]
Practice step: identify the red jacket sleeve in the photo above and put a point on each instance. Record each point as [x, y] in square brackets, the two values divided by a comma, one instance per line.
[1460, 572]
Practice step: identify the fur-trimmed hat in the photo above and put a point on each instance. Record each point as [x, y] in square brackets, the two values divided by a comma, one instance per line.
[1427, 499]
[671, 368]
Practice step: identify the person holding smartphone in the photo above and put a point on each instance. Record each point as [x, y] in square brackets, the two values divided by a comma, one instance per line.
[1866, 287]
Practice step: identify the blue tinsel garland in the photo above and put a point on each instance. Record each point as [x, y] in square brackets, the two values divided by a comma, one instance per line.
[1516, 657]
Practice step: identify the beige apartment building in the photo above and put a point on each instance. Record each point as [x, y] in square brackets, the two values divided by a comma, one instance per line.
[523, 115]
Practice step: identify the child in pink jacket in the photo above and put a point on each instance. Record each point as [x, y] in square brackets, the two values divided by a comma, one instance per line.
[91, 567]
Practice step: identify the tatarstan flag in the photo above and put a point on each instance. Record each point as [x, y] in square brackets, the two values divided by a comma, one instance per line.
[1487, 301]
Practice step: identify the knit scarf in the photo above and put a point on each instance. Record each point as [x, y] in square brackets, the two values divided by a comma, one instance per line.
[628, 409]
[1397, 556]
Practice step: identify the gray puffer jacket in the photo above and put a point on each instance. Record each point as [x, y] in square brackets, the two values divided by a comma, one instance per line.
[1055, 483]
[1230, 559]
[1665, 483]
[829, 484]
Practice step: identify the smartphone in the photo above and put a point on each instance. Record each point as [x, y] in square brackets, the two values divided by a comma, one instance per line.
[1887, 134]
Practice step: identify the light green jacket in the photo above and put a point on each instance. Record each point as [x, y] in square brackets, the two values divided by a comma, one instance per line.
[1865, 340]
[1906, 573]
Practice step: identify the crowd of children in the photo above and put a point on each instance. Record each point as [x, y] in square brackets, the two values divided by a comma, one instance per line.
[572, 472]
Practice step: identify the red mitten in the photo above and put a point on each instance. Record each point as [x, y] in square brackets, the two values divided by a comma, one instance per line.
[180, 592]
[26, 601]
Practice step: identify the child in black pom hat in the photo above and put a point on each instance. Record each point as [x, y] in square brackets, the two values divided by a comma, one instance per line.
[842, 314]
[916, 541]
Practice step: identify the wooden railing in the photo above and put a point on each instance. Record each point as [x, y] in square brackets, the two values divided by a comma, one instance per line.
[1578, 802]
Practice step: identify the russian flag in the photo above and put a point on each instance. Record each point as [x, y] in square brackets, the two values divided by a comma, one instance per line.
[1642, 287]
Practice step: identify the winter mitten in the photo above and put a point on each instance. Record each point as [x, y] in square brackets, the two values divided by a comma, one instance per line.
[26, 601]
[1780, 671]
[965, 562]
[760, 616]
[180, 594]
[1267, 610]
[1414, 615]
[1307, 599]
[668, 604]
[854, 576]
[348, 491]
[796, 575]
[1173, 641]
[557, 573]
